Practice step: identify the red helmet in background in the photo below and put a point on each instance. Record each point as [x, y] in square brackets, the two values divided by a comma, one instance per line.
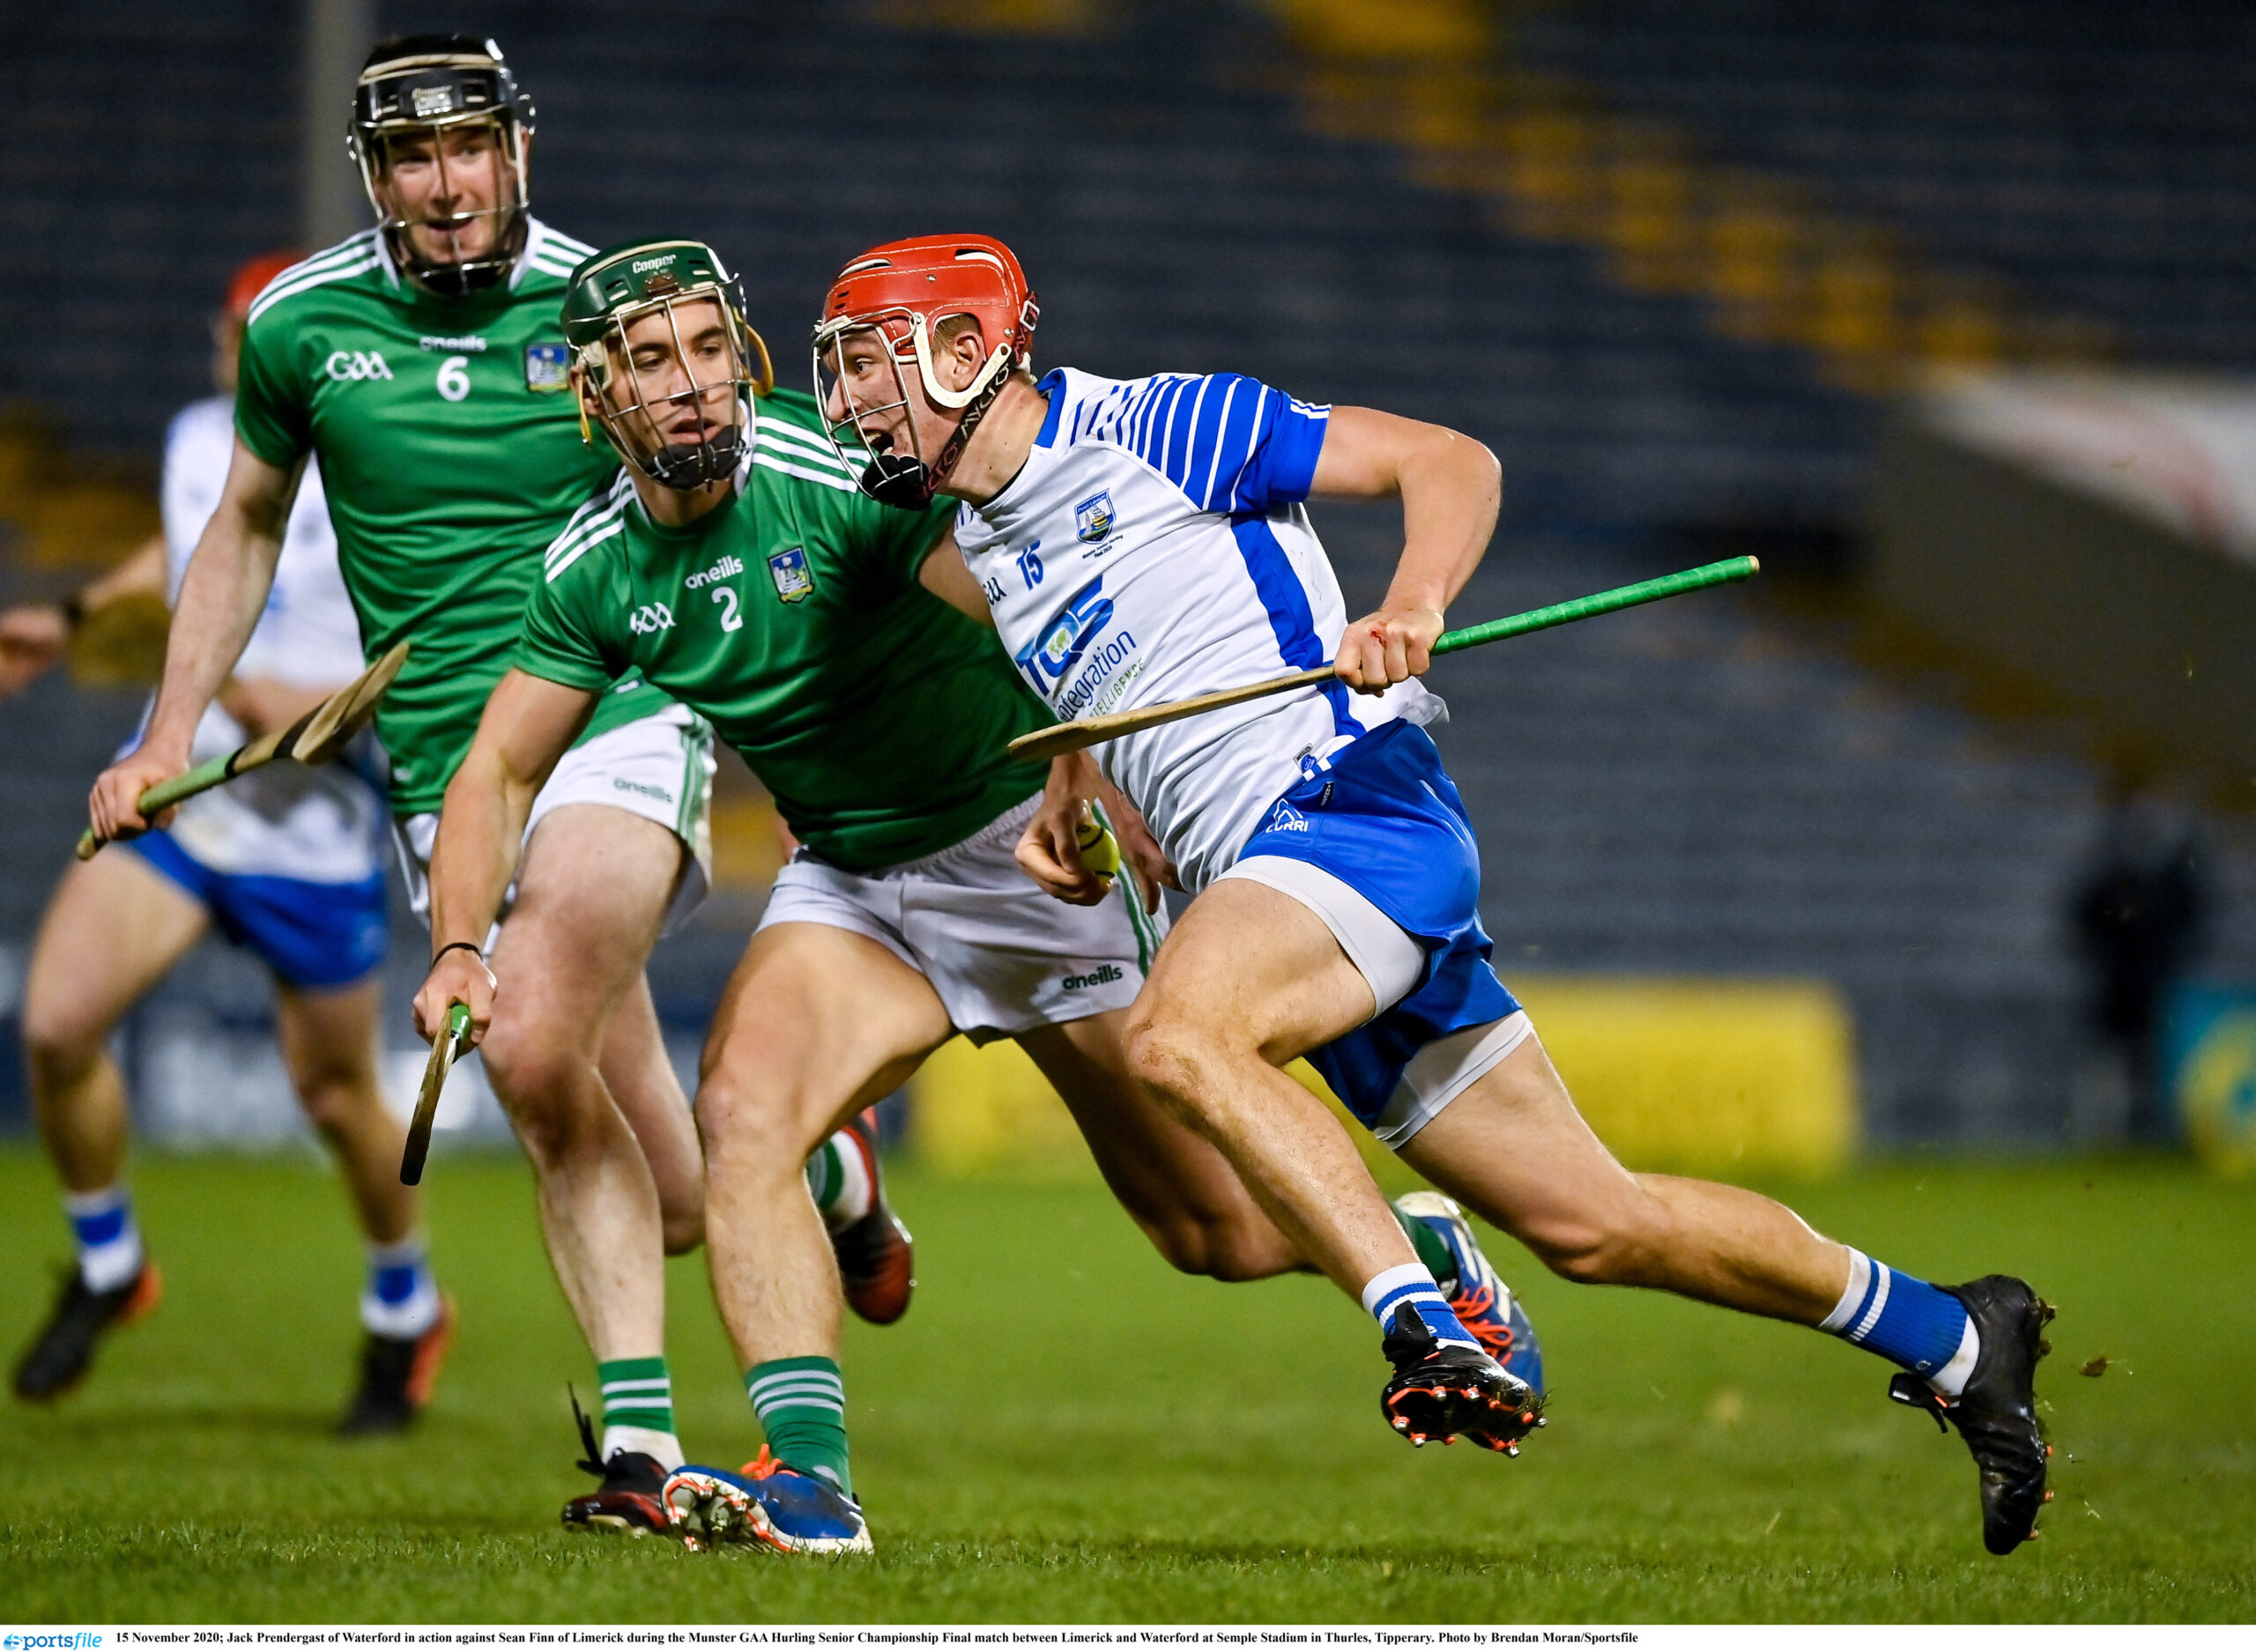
[904, 290]
[252, 277]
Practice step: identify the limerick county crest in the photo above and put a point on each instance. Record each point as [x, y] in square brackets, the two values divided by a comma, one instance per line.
[1093, 517]
[548, 368]
[788, 569]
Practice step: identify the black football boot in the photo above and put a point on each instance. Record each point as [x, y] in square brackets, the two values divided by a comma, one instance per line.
[1441, 1390]
[1996, 1413]
[627, 1503]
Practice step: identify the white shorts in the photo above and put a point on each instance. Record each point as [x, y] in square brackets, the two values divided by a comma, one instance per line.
[1003, 957]
[659, 767]
[1393, 963]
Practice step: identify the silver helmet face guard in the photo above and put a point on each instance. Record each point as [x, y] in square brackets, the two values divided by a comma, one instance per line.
[631, 425]
[882, 470]
[508, 213]
[886, 474]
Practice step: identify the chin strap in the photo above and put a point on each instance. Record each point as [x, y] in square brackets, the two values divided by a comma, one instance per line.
[908, 484]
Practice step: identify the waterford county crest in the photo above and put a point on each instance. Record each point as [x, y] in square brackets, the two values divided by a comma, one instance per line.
[548, 368]
[1093, 517]
[789, 568]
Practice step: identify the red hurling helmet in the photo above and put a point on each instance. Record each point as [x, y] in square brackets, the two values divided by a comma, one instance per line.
[904, 291]
[251, 279]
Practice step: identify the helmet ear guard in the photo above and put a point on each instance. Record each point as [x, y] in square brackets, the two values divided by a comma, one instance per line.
[903, 292]
[423, 86]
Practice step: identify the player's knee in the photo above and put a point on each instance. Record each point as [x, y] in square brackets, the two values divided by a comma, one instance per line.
[61, 1046]
[1173, 1058]
[525, 1065]
[535, 1081]
[743, 1129]
[333, 1103]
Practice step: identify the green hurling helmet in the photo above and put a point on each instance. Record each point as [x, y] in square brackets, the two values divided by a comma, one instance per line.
[657, 390]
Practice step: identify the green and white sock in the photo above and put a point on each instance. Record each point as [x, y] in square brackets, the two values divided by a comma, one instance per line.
[1432, 1249]
[638, 1410]
[838, 1177]
[801, 1403]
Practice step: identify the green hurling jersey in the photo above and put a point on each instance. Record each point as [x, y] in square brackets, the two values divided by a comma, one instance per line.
[791, 619]
[450, 450]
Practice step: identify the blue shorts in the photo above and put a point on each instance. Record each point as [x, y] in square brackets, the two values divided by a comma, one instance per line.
[1383, 816]
[310, 934]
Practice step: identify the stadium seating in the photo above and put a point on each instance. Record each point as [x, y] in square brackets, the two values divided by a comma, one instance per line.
[1696, 789]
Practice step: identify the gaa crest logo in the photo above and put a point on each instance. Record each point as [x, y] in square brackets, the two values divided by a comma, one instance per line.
[548, 368]
[789, 570]
[1093, 517]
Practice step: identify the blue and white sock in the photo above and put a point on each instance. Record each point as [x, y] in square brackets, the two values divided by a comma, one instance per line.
[1926, 1331]
[402, 1299]
[1412, 1283]
[110, 1242]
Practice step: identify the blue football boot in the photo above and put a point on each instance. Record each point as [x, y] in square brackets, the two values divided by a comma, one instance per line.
[766, 1503]
[1484, 1303]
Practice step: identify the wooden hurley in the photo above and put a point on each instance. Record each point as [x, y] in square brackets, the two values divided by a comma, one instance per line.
[315, 737]
[1045, 744]
[444, 1049]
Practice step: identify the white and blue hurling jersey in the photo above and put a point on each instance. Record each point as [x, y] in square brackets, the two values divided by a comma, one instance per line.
[323, 824]
[1157, 546]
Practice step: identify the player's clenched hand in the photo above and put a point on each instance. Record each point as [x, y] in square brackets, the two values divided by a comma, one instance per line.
[31, 640]
[1381, 649]
[1048, 850]
[458, 976]
[113, 807]
[1138, 847]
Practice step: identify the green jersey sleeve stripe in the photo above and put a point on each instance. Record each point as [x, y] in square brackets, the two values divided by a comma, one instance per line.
[801, 442]
[605, 507]
[560, 553]
[352, 246]
[556, 569]
[303, 279]
[355, 246]
[828, 478]
[569, 243]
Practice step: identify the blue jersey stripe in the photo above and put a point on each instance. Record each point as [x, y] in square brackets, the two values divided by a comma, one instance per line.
[1291, 621]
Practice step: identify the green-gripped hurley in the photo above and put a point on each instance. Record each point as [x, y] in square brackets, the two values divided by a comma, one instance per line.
[1045, 744]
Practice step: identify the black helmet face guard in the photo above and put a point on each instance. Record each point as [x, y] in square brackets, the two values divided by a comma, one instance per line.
[633, 400]
[424, 98]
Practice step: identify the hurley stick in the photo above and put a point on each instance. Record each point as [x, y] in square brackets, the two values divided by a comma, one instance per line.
[453, 1038]
[315, 737]
[1045, 744]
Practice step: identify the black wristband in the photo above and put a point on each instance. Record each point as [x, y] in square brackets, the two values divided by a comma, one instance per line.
[471, 946]
[74, 611]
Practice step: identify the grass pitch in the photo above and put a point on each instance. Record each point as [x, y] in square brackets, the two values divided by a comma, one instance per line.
[1064, 1430]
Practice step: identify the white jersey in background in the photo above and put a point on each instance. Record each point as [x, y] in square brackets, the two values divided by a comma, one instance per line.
[1155, 546]
[323, 824]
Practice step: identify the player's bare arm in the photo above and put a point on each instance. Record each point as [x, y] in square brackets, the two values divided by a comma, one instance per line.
[34, 635]
[529, 725]
[1450, 487]
[220, 601]
[943, 573]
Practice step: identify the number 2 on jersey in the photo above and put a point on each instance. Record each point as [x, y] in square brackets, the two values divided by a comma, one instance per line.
[730, 619]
